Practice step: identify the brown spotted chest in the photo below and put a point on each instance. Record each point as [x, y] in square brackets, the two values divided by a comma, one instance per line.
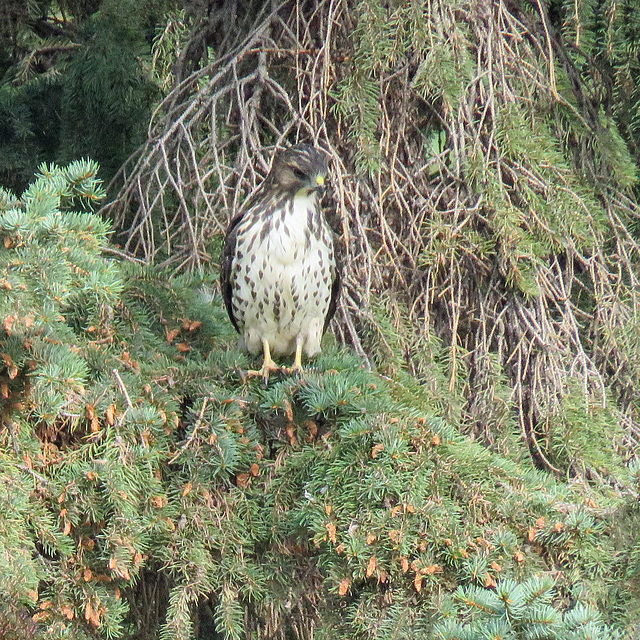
[284, 268]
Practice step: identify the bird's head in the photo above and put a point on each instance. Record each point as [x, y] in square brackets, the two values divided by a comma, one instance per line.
[301, 169]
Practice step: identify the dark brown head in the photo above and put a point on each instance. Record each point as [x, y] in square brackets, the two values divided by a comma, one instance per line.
[301, 168]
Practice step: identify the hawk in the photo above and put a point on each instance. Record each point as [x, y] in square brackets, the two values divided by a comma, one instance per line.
[279, 276]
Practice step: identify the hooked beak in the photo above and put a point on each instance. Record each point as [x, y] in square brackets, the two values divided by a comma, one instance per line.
[319, 188]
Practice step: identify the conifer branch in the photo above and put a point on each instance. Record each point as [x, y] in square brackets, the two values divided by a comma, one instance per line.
[450, 192]
[123, 389]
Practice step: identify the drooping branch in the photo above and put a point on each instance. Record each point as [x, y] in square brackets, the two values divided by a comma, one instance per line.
[472, 182]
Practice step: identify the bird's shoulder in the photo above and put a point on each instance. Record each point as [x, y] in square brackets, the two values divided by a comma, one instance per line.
[253, 207]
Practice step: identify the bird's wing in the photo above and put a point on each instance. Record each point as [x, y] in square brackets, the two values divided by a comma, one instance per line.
[335, 288]
[226, 266]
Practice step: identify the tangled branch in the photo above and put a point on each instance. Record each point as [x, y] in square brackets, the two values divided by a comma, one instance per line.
[471, 189]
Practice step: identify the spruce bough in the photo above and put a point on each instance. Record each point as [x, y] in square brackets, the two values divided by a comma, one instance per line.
[147, 492]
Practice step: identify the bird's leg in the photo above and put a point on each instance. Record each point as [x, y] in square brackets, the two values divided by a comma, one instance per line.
[297, 363]
[268, 365]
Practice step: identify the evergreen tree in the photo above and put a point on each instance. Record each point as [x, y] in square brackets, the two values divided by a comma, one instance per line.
[485, 204]
[148, 492]
[107, 94]
[479, 482]
[75, 79]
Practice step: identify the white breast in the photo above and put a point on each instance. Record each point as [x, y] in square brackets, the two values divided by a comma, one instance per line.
[283, 294]
[287, 240]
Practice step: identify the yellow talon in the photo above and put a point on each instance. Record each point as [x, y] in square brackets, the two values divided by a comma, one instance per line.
[268, 366]
[297, 363]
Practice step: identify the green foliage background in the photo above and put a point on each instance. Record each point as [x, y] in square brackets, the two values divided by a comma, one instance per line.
[148, 491]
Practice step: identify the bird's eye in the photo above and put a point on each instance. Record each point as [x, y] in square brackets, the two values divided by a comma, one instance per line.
[298, 173]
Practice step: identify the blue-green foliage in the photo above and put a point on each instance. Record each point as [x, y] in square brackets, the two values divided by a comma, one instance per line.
[135, 458]
[518, 611]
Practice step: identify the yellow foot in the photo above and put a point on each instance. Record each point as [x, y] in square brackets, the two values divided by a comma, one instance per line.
[267, 369]
[296, 368]
[297, 363]
[268, 366]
